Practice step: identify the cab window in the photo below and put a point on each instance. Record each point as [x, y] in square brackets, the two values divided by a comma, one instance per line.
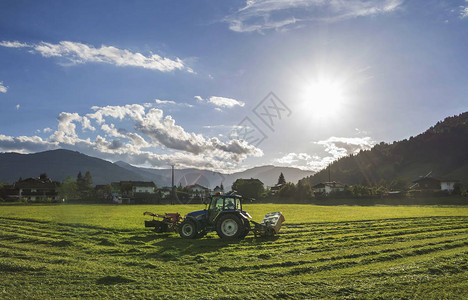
[238, 204]
[232, 203]
[219, 204]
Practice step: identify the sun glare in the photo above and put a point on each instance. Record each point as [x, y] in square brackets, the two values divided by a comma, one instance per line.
[323, 98]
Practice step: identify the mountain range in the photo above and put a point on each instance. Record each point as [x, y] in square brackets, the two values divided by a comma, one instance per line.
[441, 152]
[58, 164]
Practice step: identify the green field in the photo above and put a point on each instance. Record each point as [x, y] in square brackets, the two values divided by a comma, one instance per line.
[103, 251]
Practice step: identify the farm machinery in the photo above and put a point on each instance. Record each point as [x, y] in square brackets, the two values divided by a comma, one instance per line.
[223, 215]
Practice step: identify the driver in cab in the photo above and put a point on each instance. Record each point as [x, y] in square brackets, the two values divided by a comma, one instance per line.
[230, 205]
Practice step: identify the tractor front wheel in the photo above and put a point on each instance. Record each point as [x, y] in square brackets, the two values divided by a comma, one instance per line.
[188, 229]
[230, 227]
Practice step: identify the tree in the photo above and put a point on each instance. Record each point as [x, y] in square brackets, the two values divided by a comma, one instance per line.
[105, 193]
[288, 191]
[304, 191]
[3, 187]
[399, 184]
[80, 180]
[360, 191]
[281, 179]
[458, 189]
[248, 188]
[125, 188]
[88, 180]
[84, 185]
[68, 189]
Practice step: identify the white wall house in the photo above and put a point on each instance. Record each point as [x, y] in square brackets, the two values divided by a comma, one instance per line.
[447, 185]
[139, 188]
[328, 187]
[196, 188]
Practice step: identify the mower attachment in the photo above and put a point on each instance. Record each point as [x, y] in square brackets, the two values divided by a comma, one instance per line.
[270, 225]
[170, 222]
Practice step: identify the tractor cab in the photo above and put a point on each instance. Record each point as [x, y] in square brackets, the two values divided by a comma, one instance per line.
[223, 203]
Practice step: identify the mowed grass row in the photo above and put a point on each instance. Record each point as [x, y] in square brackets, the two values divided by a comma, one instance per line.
[388, 254]
[131, 217]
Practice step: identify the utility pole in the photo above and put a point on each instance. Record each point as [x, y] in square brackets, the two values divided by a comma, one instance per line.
[173, 187]
[329, 173]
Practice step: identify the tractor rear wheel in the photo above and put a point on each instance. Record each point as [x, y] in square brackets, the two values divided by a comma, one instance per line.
[188, 229]
[230, 226]
[246, 228]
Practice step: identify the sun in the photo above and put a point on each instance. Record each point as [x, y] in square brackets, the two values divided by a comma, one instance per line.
[323, 98]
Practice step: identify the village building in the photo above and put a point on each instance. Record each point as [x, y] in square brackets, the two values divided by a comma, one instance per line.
[165, 191]
[132, 188]
[432, 183]
[276, 188]
[129, 192]
[218, 189]
[198, 190]
[41, 189]
[326, 188]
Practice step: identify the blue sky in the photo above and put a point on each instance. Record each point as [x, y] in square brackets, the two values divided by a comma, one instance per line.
[227, 85]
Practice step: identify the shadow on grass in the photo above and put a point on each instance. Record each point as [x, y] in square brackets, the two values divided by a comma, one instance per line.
[111, 280]
[174, 248]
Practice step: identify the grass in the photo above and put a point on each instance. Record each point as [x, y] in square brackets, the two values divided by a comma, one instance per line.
[100, 251]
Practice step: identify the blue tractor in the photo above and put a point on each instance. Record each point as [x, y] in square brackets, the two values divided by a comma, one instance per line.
[223, 215]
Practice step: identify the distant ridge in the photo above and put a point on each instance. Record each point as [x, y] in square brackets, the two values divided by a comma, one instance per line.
[58, 164]
[442, 149]
[267, 174]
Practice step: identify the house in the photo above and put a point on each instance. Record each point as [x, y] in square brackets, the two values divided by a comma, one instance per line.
[427, 183]
[198, 190]
[276, 188]
[132, 188]
[165, 191]
[432, 183]
[326, 188]
[147, 187]
[448, 185]
[37, 189]
[218, 189]
[9, 193]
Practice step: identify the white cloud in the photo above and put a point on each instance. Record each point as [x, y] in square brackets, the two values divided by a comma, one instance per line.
[264, 15]
[170, 102]
[340, 146]
[303, 161]
[225, 102]
[112, 131]
[3, 89]
[336, 147]
[198, 98]
[164, 101]
[134, 111]
[78, 53]
[24, 144]
[14, 44]
[463, 12]
[137, 135]
[293, 158]
[164, 131]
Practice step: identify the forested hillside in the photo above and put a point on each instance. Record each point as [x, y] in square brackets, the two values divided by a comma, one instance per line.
[442, 150]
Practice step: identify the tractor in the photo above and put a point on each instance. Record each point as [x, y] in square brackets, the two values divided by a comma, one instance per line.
[224, 215]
